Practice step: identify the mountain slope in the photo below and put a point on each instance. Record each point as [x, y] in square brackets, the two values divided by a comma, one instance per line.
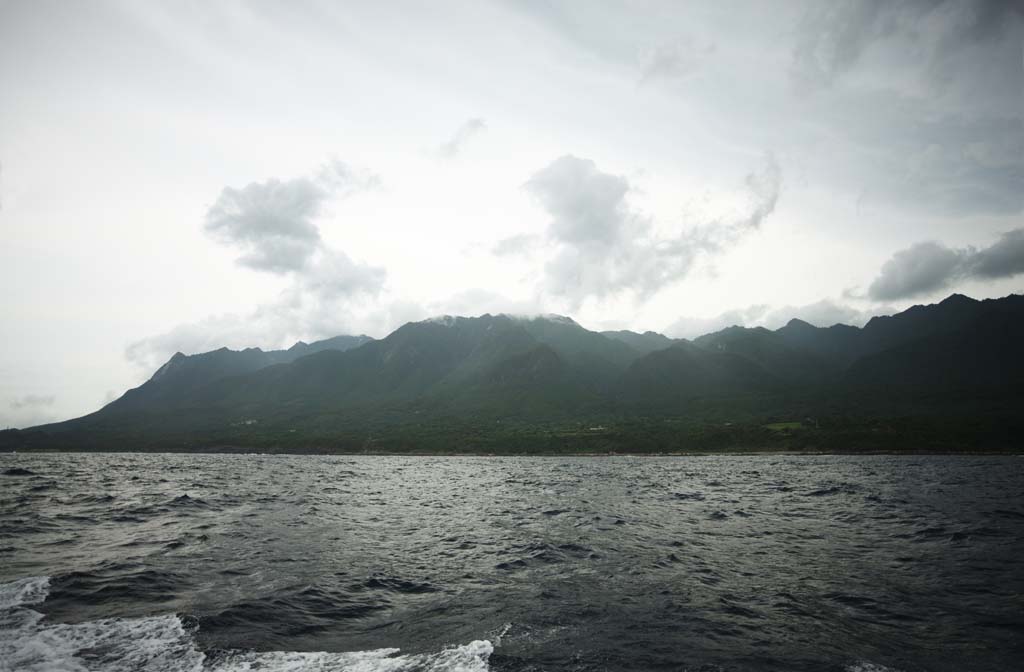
[183, 375]
[987, 353]
[770, 352]
[669, 377]
[644, 343]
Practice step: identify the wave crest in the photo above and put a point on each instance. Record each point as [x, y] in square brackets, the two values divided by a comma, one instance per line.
[165, 644]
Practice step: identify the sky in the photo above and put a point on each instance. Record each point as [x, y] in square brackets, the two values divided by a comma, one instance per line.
[181, 176]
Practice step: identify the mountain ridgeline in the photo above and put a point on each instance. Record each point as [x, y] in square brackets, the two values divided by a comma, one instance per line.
[948, 376]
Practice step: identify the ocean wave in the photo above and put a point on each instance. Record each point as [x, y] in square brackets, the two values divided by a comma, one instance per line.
[865, 666]
[166, 644]
[31, 590]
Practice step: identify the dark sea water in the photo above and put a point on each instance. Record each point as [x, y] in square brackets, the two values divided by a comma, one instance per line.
[389, 564]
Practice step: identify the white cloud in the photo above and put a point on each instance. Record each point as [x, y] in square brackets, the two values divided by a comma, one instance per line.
[602, 246]
[458, 142]
[32, 401]
[275, 222]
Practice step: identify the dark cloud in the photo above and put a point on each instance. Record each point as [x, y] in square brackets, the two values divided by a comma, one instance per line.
[461, 138]
[920, 269]
[603, 247]
[906, 153]
[833, 37]
[928, 267]
[1003, 259]
[33, 401]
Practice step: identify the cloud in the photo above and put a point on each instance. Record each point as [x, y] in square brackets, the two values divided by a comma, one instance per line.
[1003, 259]
[28, 411]
[335, 275]
[520, 244]
[672, 60]
[300, 315]
[478, 301]
[32, 401]
[293, 316]
[928, 267]
[272, 222]
[920, 269]
[602, 246]
[335, 296]
[587, 205]
[692, 327]
[458, 142]
[833, 37]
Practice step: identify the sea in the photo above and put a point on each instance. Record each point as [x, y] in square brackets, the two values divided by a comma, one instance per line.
[190, 563]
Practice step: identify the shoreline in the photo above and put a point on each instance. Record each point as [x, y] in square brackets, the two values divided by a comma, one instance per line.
[248, 452]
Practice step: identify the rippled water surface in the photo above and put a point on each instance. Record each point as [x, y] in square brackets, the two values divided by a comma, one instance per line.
[216, 562]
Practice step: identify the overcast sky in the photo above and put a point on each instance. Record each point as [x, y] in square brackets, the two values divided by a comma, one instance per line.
[186, 175]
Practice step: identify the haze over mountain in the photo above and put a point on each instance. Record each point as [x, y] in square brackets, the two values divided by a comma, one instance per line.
[538, 371]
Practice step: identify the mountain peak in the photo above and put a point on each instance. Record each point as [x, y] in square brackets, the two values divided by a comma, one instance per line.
[958, 300]
[171, 363]
[443, 320]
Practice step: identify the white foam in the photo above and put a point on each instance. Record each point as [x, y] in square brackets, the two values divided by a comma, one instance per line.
[470, 657]
[31, 590]
[118, 645]
[865, 666]
[163, 644]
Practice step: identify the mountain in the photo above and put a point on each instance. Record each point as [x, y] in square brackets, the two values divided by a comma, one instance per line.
[458, 361]
[949, 374]
[183, 374]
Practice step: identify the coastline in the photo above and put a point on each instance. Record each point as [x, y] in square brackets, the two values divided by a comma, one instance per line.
[251, 452]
